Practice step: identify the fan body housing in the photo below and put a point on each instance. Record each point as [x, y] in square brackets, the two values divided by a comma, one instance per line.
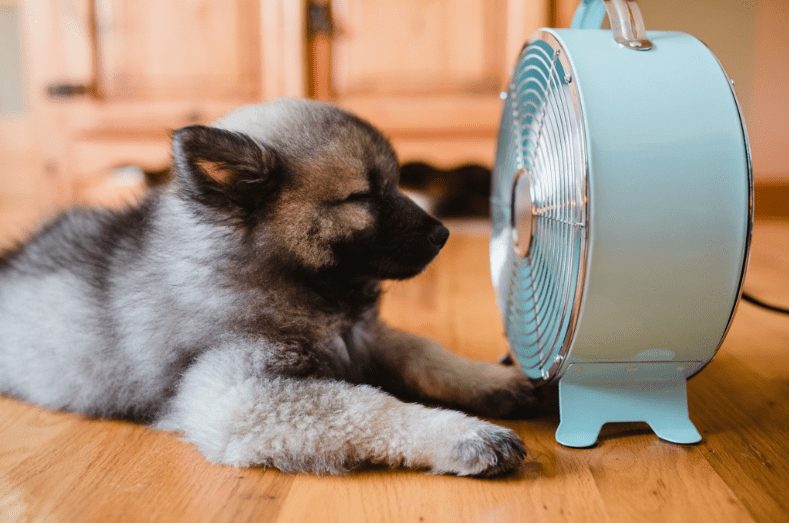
[622, 216]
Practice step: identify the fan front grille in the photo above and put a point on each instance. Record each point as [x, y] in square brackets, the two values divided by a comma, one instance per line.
[538, 249]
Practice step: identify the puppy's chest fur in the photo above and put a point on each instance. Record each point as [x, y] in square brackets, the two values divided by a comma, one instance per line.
[300, 323]
[310, 328]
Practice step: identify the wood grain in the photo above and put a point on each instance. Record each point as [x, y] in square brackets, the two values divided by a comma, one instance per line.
[60, 467]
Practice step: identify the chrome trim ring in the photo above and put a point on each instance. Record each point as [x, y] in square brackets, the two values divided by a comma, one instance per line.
[547, 207]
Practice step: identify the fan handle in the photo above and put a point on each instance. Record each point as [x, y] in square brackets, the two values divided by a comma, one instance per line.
[627, 24]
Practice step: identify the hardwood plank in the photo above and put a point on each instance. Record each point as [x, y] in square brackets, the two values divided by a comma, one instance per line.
[562, 486]
[744, 420]
[642, 478]
[410, 496]
[61, 466]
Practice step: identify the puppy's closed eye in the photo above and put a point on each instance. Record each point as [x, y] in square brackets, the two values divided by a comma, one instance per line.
[364, 198]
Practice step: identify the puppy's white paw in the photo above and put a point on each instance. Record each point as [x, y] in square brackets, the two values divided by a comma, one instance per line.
[485, 450]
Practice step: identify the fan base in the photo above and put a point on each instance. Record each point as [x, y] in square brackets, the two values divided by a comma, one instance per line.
[587, 401]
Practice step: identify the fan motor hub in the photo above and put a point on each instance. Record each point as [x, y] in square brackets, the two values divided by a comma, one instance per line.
[523, 212]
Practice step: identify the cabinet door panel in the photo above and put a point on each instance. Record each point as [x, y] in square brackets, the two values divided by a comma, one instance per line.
[109, 79]
[184, 48]
[428, 72]
[412, 46]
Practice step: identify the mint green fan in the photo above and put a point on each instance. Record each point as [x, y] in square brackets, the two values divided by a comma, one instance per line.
[622, 216]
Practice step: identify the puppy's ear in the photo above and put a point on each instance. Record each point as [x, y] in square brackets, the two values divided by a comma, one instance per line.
[224, 168]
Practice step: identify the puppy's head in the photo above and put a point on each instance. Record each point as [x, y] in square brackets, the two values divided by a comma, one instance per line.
[310, 185]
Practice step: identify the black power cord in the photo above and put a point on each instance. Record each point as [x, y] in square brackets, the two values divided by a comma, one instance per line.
[759, 303]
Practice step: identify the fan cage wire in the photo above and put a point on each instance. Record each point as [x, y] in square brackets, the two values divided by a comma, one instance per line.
[542, 112]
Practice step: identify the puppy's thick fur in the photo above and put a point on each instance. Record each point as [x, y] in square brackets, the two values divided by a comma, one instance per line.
[238, 306]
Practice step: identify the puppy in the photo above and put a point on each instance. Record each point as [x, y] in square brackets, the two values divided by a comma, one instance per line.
[238, 306]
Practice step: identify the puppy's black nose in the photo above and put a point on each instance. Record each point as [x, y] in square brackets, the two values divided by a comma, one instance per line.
[439, 236]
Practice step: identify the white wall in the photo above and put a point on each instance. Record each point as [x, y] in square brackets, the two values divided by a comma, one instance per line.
[10, 61]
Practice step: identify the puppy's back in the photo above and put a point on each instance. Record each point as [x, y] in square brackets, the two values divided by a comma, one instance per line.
[56, 327]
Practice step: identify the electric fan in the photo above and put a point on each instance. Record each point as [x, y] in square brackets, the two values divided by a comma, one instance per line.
[622, 216]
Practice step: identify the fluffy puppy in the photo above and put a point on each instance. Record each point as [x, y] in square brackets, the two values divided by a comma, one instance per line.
[238, 306]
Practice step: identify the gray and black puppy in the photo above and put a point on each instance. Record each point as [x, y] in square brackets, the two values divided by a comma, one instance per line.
[238, 306]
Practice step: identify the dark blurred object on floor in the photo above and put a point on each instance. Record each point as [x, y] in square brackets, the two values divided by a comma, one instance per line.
[455, 193]
[160, 177]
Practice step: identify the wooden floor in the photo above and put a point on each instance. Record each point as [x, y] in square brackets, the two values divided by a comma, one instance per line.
[57, 467]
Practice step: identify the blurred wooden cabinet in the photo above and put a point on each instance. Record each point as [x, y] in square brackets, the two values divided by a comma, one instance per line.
[430, 73]
[109, 79]
[148, 49]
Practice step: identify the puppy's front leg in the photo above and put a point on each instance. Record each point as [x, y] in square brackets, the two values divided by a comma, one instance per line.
[237, 414]
[415, 367]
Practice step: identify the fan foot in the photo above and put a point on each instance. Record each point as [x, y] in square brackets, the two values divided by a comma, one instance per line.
[587, 403]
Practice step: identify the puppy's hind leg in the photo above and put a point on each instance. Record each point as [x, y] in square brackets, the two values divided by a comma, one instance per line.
[237, 415]
[420, 368]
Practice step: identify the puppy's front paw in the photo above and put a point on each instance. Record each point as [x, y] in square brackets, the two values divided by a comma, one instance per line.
[506, 392]
[485, 450]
